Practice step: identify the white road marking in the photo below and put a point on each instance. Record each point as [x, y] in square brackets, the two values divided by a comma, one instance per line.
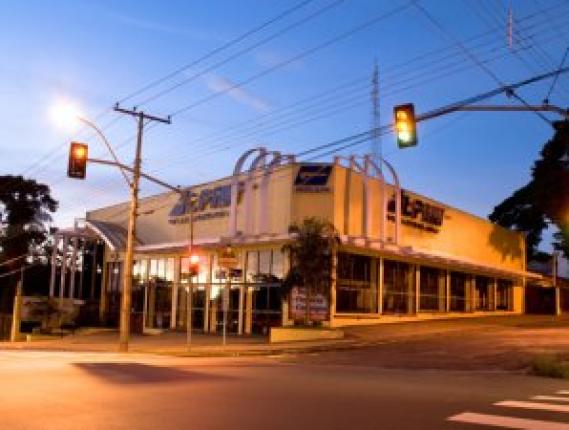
[507, 422]
[533, 405]
[563, 392]
[551, 398]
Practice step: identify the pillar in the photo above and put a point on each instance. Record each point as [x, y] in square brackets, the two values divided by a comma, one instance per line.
[557, 300]
[17, 313]
[151, 304]
[380, 287]
[82, 272]
[213, 314]
[417, 288]
[411, 286]
[65, 244]
[333, 282]
[145, 307]
[448, 291]
[103, 301]
[93, 272]
[73, 267]
[206, 306]
[493, 294]
[53, 266]
[241, 310]
[441, 291]
[175, 292]
[249, 311]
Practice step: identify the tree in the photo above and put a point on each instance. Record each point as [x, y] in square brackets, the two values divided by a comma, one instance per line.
[25, 208]
[544, 200]
[311, 254]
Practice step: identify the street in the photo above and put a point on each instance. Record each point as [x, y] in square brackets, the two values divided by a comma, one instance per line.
[72, 390]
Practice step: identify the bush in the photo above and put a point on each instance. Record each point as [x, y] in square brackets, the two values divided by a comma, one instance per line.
[549, 366]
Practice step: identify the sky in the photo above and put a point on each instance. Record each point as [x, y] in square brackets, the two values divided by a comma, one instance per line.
[301, 80]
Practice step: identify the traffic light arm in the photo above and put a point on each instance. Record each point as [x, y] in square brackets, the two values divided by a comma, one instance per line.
[130, 169]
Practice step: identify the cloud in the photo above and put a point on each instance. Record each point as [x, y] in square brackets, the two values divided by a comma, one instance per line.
[241, 95]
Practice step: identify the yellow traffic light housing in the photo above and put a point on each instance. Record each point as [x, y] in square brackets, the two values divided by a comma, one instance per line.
[77, 165]
[405, 125]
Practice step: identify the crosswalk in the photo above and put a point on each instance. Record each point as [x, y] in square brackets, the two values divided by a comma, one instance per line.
[557, 403]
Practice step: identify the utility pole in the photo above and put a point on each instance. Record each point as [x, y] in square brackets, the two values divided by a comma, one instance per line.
[131, 233]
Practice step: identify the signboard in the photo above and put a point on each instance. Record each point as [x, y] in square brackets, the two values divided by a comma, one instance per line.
[207, 203]
[318, 306]
[227, 259]
[313, 178]
[417, 212]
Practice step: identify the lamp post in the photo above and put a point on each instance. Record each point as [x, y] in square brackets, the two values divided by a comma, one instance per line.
[66, 112]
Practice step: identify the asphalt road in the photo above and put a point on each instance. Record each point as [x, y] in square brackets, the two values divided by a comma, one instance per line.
[63, 390]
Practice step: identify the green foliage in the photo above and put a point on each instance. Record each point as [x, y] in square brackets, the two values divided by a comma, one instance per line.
[549, 366]
[311, 255]
[545, 199]
[25, 207]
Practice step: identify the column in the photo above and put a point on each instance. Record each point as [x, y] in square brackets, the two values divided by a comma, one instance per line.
[93, 272]
[213, 314]
[82, 272]
[53, 266]
[442, 291]
[73, 268]
[151, 304]
[241, 310]
[249, 311]
[448, 290]
[380, 287]
[103, 301]
[63, 266]
[417, 288]
[493, 294]
[557, 300]
[411, 285]
[333, 278]
[175, 292]
[206, 306]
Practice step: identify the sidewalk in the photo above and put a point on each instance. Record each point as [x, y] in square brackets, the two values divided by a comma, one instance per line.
[174, 343]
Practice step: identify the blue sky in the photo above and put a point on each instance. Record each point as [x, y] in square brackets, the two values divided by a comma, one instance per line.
[96, 53]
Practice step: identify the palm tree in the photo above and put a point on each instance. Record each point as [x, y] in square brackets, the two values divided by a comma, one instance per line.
[311, 254]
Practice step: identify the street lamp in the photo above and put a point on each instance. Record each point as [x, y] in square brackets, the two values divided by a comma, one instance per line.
[65, 113]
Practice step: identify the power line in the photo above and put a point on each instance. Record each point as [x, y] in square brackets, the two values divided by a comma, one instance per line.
[217, 50]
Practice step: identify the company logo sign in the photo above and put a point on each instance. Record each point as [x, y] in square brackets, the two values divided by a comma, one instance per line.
[417, 213]
[207, 203]
[313, 178]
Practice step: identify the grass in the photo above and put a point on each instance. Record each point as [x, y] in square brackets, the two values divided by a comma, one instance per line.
[550, 366]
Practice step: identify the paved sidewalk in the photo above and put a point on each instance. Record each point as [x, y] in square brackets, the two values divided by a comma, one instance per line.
[174, 343]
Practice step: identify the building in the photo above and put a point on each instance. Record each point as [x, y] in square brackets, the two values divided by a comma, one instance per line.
[402, 255]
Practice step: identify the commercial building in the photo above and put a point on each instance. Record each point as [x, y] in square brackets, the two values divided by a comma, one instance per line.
[402, 255]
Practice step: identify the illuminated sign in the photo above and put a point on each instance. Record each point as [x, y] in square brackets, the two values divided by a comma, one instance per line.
[313, 178]
[417, 213]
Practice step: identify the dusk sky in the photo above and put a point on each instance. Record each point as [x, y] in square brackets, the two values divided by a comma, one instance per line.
[306, 82]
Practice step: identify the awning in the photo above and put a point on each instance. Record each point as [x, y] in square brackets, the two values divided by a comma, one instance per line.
[428, 256]
[112, 234]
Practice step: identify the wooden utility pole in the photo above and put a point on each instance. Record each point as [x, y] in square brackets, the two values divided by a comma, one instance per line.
[131, 233]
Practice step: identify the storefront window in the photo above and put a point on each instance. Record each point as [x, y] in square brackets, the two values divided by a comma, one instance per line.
[432, 289]
[356, 292]
[482, 293]
[252, 266]
[398, 288]
[458, 302]
[504, 295]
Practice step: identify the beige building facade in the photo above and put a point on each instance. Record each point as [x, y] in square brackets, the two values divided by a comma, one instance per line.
[402, 255]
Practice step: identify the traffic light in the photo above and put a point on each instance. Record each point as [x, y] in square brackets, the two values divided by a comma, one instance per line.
[405, 125]
[194, 268]
[77, 166]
